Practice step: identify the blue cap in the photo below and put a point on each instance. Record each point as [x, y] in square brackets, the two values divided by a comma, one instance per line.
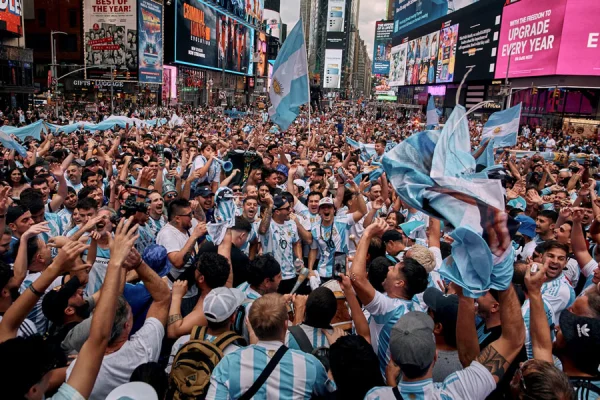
[204, 191]
[283, 169]
[155, 256]
[518, 203]
[411, 227]
[279, 202]
[527, 227]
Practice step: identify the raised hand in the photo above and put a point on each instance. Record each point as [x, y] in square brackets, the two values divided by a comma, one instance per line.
[35, 230]
[133, 260]
[65, 260]
[498, 235]
[535, 276]
[179, 289]
[377, 228]
[121, 244]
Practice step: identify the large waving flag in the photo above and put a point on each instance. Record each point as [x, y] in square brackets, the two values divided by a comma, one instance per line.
[289, 89]
[433, 118]
[12, 144]
[503, 126]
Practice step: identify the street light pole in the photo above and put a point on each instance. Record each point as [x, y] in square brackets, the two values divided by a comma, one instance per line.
[53, 56]
[112, 88]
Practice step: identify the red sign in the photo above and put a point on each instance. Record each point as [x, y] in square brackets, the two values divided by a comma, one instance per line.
[10, 12]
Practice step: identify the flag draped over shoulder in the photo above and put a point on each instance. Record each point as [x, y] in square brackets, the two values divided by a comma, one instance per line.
[289, 89]
[503, 126]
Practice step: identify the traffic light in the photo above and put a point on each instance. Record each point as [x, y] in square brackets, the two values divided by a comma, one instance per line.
[534, 91]
[557, 93]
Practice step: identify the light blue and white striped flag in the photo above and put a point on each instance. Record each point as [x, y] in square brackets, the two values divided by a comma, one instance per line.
[503, 126]
[433, 118]
[289, 88]
[224, 215]
[12, 144]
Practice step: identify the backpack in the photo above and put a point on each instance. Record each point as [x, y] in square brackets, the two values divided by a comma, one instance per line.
[194, 363]
[240, 318]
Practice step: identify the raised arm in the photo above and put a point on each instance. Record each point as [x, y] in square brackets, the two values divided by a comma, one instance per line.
[62, 192]
[539, 329]
[358, 317]
[158, 289]
[90, 357]
[358, 273]
[266, 220]
[225, 251]
[466, 334]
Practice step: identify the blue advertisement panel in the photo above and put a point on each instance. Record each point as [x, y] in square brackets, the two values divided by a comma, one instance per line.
[383, 47]
[411, 14]
[150, 41]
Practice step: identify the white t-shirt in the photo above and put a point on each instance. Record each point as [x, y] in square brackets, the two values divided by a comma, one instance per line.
[117, 367]
[174, 240]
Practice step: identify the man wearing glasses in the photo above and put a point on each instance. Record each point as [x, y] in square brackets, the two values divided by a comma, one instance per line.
[279, 237]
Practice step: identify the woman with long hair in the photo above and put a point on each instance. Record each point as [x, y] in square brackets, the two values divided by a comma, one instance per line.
[17, 180]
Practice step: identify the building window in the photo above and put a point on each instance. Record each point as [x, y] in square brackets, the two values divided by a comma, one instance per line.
[42, 17]
[68, 43]
[73, 17]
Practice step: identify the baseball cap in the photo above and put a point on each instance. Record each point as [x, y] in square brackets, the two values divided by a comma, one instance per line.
[326, 201]
[55, 301]
[412, 342]
[527, 226]
[411, 228]
[168, 188]
[282, 169]
[279, 202]
[582, 335]
[221, 303]
[91, 161]
[445, 309]
[133, 391]
[155, 256]
[518, 203]
[299, 183]
[204, 191]
[391, 236]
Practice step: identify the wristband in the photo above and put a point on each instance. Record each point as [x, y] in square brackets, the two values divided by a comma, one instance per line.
[173, 318]
[34, 291]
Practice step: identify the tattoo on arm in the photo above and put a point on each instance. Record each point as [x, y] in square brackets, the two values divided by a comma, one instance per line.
[494, 362]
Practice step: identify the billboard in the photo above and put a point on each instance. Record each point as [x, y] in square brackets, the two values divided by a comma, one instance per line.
[397, 75]
[251, 11]
[207, 38]
[169, 88]
[447, 54]
[336, 40]
[332, 77]
[150, 41]
[383, 47]
[272, 20]
[415, 62]
[261, 51]
[111, 39]
[11, 12]
[336, 12]
[411, 14]
[530, 36]
[581, 38]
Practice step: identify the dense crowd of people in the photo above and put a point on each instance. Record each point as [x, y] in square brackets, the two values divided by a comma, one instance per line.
[218, 257]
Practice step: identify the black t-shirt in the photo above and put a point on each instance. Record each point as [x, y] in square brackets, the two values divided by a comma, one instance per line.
[239, 261]
[487, 336]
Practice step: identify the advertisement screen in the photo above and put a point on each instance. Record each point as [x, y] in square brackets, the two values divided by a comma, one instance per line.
[333, 69]
[410, 14]
[207, 38]
[530, 37]
[447, 54]
[336, 40]
[398, 65]
[250, 11]
[169, 88]
[580, 39]
[383, 47]
[336, 11]
[150, 41]
[111, 38]
[261, 51]
[478, 43]
[272, 19]
[10, 12]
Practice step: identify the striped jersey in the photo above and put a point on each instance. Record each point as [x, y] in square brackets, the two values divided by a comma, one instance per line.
[315, 336]
[559, 294]
[26, 329]
[330, 240]
[279, 242]
[550, 317]
[156, 224]
[385, 312]
[98, 271]
[297, 376]
[588, 272]
[472, 383]
[36, 315]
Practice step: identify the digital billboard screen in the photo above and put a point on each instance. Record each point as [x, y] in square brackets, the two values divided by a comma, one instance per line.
[415, 62]
[150, 41]
[398, 65]
[411, 14]
[530, 36]
[11, 12]
[383, 47]
[111, 39]
[336, 13]
[336, 40]
[207, 38]
[332, 76]
[250, 11]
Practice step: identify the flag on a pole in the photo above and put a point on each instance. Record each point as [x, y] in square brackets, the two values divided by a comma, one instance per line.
[432, 115]
[503, 126]
[289, 88]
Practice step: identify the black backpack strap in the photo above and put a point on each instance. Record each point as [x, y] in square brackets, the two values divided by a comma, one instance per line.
[265, 374]
[298, 333]
[397, 394]
[226, 338]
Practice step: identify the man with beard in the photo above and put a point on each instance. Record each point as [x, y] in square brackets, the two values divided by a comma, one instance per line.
[249, 211]
[69, 206]
[74, 176]
[557, 290]
[157, 218]
[206, 198]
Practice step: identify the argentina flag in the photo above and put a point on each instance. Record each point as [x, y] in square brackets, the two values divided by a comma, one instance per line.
[433, 118]
[12, 144]
[224, 215]
[503, 126]
[289, 88]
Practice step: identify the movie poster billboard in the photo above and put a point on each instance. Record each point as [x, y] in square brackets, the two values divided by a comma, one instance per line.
[261, 51]
[272, 21]
[11, 12]
[235, 45]
[411, 14]
[333, 69]
[336, 12]
[447, 54]
[531, 36]
[250, 11]
[150, 41]
[398, 65]
[383, 47]
[111, 39]
[169, 88]
[421, 60]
